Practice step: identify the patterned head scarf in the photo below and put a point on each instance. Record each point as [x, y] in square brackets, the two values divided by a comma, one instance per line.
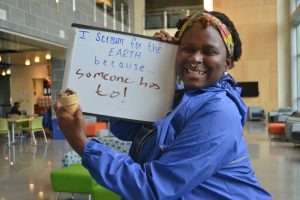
[225, 33]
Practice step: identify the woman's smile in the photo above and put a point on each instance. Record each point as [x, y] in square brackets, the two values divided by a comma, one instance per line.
[194, 71]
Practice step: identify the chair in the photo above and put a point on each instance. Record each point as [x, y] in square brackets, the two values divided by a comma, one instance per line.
[276, 130]
[256, 113]
[21, 125]
[92, 129]
[34, 126]
[76, 179]
[295, 136]
[290, 121]
[4, 128]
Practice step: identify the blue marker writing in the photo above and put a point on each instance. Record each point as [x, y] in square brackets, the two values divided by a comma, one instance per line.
[82, 35]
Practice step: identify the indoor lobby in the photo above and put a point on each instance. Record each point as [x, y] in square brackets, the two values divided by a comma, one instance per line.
[36, 39]
[25, 168]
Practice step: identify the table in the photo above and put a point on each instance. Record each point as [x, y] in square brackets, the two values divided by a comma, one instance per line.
[13, 121]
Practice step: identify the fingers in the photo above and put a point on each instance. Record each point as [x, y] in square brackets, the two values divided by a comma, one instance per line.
[165, 36]
[60, 111]
[60, 93]
[175, 39]
[79, 118]
[58, 108]
[78, 113]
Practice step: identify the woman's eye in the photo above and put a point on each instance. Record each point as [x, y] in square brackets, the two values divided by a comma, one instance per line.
[187, 49]
[210, 51]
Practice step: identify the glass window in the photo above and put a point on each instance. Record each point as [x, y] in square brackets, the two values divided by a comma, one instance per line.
[155, 21]
[173, 19]
[121, 8]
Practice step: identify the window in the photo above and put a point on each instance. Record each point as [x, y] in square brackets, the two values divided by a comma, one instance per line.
[298, 66]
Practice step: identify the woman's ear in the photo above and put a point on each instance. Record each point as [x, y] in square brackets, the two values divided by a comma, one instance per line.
[229, 63]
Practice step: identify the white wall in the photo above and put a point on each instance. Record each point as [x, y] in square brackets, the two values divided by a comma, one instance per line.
[22, 84]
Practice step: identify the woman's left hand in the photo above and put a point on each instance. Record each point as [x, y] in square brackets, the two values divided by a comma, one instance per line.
[165, 36]
[73, 127]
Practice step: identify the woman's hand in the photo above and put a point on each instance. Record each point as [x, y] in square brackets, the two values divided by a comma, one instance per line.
[165, 36]
[73, 127]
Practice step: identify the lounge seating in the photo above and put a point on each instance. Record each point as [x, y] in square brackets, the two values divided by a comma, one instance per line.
[256, 113]
[295, 134]
[292, 129]
[92, 129]
[4, 129]
[76, 179]
[35, 125]
[276, 130]
[280, 115]
[73, 173]
[72, 157]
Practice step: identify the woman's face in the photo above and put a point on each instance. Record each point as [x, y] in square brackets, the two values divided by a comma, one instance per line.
[202, 57]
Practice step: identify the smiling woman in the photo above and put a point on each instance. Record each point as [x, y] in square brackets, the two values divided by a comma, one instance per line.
[199, 142]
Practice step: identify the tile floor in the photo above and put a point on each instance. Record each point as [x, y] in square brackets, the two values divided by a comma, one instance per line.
[25, 169]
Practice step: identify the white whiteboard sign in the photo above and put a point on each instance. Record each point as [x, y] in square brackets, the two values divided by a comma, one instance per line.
[121, 75]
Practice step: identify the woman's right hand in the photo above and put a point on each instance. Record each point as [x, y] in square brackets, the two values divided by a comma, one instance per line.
[165, 36]
[73, 127]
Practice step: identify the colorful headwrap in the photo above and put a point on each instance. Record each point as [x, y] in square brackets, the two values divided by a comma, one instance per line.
[225, 33]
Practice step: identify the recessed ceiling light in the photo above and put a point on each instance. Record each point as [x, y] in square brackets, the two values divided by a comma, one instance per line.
[48, 56]
[37, 59]
[27, 62]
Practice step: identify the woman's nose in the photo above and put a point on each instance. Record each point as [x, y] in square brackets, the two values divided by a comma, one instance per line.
[196, 57]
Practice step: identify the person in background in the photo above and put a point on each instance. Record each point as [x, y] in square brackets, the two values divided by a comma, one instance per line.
[198, 150]
[15, 109]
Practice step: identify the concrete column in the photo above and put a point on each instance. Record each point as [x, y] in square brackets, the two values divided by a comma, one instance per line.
[139, 14]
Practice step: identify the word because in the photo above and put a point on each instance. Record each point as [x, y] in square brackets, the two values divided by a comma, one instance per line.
[125, 65]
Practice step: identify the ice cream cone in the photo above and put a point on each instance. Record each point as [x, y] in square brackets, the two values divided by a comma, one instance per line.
[70, 103]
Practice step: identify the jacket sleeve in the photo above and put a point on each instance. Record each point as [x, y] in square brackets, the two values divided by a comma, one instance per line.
[196, 153]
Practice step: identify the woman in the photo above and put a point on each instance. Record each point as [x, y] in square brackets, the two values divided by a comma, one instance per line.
[197, 151]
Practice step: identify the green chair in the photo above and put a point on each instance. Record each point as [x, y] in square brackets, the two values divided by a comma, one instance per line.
[72, 179]
[35, 125]
[21, 125]
[101, 193]
[76, 179]
[4, 128]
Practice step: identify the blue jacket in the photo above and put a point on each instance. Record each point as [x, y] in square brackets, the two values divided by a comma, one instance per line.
[198, 152]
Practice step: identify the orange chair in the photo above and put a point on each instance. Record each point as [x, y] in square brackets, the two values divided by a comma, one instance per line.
[92, 129]
[276, 130]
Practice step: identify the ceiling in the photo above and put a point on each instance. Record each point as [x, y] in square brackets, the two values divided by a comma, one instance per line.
[15, 49]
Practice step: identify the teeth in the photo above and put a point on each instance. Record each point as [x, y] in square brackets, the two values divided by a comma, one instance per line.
[196, 72]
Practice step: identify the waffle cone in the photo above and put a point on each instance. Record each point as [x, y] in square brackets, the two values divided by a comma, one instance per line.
[70, 103]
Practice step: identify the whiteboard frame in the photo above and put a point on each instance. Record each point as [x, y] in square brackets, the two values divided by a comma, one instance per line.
[70, 52]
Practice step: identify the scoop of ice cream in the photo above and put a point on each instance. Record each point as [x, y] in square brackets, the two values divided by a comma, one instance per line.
[67, 92]
[68, 100]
